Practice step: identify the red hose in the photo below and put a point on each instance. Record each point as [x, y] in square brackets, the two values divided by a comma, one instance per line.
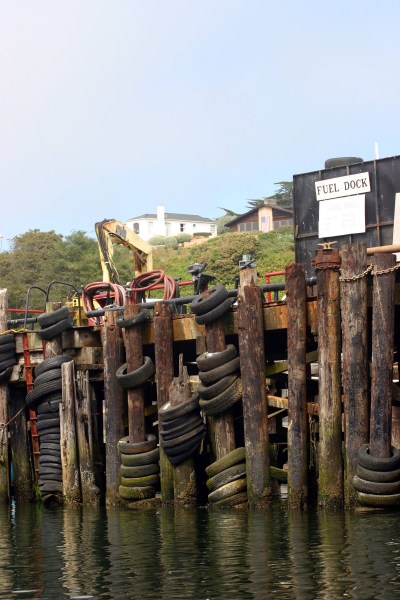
[148, 281]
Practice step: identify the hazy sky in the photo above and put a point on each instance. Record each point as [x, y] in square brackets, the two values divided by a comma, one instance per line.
[108, 108]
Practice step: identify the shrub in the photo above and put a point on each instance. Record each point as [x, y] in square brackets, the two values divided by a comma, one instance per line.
[204, 234]
[157, 240]
[183, 237]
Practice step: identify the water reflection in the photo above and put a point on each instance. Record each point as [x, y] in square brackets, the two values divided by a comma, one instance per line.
[56, 552]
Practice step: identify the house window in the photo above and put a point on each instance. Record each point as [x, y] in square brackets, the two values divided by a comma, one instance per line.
[182, 227]
[136, 228]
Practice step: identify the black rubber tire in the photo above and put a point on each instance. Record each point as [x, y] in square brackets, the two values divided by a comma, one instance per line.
[51, 332]
[189, 424]
[215, 297]
[214, 314]
[138, 460]
[231, 474]
[168, 412]
[214, 375]
[142, 471]
[48, 431]
[140, 481]
[136, 493]
[5, 375]
[49, 405]
[378, 476]
[45, 417]
[127, 447]
[10, 354]
[51, 363]
[47, 319]
[50, 487]
[210, 391]
[223, 401]
[342, 161]
[178, 458]
[235, 500]
[49, 437]
[376, 500]
[40, 391]
[168, 445]
[49, 459]
[228, 490]
[211, 360]
[232, 458]
[52, 446]
[191, 443]
[374, 487]
[51, 476]
[48, 376]
[166, 426]
[141, 317]
[6, 348]
[6, 338]
[7, 363]
[137, 377]
[374, 463]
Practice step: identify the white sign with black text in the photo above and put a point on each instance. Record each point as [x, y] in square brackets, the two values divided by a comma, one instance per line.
[341, 216]
[349, 185]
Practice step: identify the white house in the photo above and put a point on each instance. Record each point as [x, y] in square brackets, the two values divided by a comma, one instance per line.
[169, 224]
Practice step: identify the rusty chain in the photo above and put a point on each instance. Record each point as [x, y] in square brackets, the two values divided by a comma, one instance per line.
[368, 270]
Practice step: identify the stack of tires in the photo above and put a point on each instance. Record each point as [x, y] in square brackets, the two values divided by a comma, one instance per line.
[45, 398]
[378, 479]
[7, 355]
[181, 429]
[139, 468]
[137, 377]
[54, 323]
[211, 307]
[220, 385]
[227, 481]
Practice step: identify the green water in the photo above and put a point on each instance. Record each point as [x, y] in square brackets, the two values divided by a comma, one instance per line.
[57, 552]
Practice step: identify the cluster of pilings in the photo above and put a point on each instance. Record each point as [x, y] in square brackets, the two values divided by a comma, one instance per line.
[351, 415]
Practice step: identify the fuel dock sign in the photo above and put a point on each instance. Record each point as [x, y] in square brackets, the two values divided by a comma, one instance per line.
[342, 204]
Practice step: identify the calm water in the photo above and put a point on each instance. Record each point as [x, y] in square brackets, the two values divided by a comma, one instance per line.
[56, 552]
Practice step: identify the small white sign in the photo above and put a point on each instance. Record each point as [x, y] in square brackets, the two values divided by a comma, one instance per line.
[338, 187]
[341, 216]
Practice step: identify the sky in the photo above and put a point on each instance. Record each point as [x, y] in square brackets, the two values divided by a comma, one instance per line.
[108, 109]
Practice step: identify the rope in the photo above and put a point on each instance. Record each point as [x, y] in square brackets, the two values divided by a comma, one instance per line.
[150, 280]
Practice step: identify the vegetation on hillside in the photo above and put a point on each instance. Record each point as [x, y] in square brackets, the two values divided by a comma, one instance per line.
[37, 258]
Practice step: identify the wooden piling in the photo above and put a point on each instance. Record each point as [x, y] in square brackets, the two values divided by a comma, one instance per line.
[84, 436]
[185, 487]
[4, 466]
[20, 451]
[113, 399]
[69, 450]
[164, 356]
[296, 308]
[330, 476]
[53, 347]
[382, 355]
[134, 359]
[355, 374]
[221, 429]
[254, 398]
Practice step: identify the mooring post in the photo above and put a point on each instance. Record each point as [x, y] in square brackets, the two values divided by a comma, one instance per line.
[84, 436]
[4, 466]
[185, 487]
[113, 398]
[382, 355]
[254, 397]
[164, 356]
[296, 310]
[69, 449]
[221, 428]
[134, 359]
[20, 451]
[355, 374]
[330, 477]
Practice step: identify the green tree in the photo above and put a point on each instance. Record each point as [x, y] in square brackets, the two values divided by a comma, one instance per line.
[284, 194]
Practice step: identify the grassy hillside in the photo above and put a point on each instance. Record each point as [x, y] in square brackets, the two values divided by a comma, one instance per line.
[272, 252]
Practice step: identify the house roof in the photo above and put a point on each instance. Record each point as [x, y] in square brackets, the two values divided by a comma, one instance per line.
[276, 210]
[175, 217]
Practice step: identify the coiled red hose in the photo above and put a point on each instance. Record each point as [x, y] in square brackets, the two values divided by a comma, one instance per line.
[150, 280]
[101, 288]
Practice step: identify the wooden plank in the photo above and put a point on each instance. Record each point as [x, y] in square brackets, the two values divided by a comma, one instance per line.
[4, 466]
[134, 360]
[69, 450]
[282, 365]
[20, 448]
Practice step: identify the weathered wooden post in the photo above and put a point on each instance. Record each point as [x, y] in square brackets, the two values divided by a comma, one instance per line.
[296, 310]
[382, 355]
[84, 434]
[330, 476]
[53, 347]
[4, 466]
[254, 398]
[164, 356]
[113, 397]
[23, 484]
[69, 450]
[355, 374]
[134, 359]
[185, 487]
